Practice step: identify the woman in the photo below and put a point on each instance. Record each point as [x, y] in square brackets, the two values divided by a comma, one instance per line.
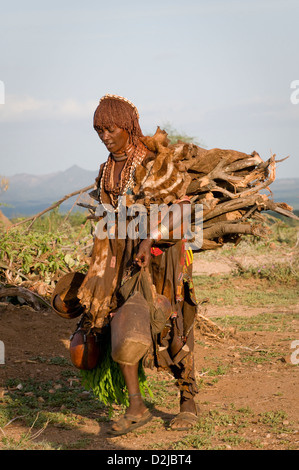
[140, 170]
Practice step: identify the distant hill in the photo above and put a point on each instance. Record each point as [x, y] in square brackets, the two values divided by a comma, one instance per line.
[286, 190]
[29, 194]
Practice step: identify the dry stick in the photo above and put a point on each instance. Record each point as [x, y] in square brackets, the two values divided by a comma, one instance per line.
[69, 212]
[276, 208]
[53, 206]
[10, 268]
[13, 419]
[232, 205]
[249, 213]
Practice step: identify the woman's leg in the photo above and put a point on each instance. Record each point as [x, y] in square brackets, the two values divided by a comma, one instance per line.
[130, 373]
[188, 389]
[136, 407]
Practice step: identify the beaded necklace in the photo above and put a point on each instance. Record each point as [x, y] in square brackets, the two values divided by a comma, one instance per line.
[135, 156]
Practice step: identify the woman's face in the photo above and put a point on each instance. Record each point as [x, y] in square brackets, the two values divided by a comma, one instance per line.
[114, 138]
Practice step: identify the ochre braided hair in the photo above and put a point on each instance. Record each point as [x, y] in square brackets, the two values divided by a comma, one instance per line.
[118, 111]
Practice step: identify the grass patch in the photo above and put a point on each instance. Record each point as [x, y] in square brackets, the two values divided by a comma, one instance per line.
[47, 402]
[232, 428]
[275, 421]
[164, 390]
[225, 290]
[215, 430]
[260, 357]
[220, 370]
[261, 322]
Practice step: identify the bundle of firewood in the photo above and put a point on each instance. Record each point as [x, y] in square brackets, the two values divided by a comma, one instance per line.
[229, 186]
[233, 188]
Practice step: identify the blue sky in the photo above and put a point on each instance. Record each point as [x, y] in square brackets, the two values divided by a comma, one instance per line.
[220, 71]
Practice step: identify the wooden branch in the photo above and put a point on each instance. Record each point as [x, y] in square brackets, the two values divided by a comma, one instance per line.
[87, 206]
[233, 205]
[209, 245]
[244, 163]
[75, 204]
[30, 297]
[276, 207]
[53, 206]
[226, 228]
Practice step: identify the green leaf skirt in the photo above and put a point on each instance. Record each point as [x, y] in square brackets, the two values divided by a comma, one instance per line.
[107, 382]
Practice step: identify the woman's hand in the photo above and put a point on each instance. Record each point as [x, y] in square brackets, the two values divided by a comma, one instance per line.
[144, 253]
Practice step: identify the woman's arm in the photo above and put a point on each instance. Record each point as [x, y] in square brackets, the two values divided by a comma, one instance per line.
[163, 232]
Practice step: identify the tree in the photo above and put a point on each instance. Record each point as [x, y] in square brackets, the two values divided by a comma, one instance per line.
[175, 136]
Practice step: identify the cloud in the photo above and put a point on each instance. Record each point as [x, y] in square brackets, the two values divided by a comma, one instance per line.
[260, 111]
[28, 108]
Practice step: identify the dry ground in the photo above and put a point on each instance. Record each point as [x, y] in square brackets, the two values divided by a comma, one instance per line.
[248, 386]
